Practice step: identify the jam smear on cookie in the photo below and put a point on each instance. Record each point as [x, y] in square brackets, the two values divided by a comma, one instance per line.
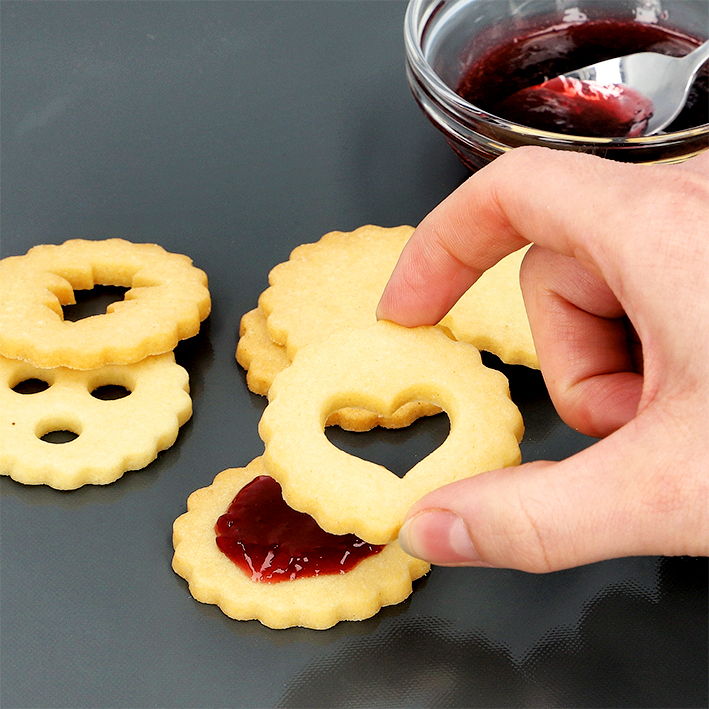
[272, 542]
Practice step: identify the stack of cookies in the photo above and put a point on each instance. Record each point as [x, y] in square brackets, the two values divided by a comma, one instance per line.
[337, 282]
[52, 371]
[314, 348]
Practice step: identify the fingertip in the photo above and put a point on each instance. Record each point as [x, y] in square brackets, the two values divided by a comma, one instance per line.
[383, 309]
[484, 521]
[440, 537]
[403, 306]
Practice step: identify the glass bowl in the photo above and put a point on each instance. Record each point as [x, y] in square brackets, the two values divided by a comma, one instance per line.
[444, 37]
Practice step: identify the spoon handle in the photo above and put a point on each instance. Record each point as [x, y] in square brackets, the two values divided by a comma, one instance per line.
[697, 57]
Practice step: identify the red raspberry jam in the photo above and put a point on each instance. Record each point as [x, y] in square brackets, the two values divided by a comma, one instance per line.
[272, 542]
[571, 106]
[500, 81]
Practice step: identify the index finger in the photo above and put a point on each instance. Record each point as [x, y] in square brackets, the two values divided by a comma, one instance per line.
[528, 195]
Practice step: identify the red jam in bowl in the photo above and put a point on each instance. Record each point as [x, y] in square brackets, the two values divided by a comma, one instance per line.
[272, 542]
[509, 80]
[572, 106]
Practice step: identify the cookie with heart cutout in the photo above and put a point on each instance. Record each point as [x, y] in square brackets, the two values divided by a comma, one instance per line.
[166, 300]
[380, 368]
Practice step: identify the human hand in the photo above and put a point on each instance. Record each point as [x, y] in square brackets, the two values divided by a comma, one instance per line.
[613, 244]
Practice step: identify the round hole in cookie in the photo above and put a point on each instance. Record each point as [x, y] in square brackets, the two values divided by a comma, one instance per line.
[58, 437]
[397, 449]
[112, 383]
[31, 385]
[93, 302]
[110, 392]
[59, 429]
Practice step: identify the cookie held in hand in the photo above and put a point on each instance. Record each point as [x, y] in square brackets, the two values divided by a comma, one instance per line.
[263, 359]
[380, 368]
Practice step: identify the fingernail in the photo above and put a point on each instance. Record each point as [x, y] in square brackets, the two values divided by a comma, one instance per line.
[438, 537]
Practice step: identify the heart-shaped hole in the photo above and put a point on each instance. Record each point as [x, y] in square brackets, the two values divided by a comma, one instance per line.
[32, 385]
[92, 302]
[399, 449]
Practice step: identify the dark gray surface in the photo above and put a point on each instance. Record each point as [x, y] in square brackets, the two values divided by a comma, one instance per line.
[232, 132]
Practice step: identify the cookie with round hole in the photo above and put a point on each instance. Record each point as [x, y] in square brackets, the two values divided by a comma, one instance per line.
[166, 300]
[380, 368]
[317, 601]
[66, 428]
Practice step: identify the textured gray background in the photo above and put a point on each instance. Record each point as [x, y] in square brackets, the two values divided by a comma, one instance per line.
[233, 131]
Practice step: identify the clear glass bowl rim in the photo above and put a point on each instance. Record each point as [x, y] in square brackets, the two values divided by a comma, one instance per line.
[414, 25]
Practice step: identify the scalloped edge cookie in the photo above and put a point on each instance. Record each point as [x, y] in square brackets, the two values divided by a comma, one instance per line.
[263, 359]
[114, 436]
[316, 602]
[492, 316]
[332, 283]
[380, 368]
[337, 282]
[167, 299]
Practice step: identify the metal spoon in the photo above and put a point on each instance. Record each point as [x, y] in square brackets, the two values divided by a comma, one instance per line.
[664, 80]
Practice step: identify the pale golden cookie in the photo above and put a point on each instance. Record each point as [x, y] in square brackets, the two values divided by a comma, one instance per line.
[338, 281]
[380, 368]
[113, 436]
[258, 354]
[491, 315]
[316, 602]
[262, 359]
[335, 282]
[167, 300]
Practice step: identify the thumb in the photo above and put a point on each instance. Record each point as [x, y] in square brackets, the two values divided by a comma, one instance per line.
[598, 504]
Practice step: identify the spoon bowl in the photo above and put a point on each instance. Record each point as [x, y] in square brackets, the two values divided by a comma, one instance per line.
[663, 80]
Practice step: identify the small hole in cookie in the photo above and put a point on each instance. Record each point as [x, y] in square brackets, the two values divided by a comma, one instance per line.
[110, 392]
[59, 436]
[30, 386]
[399, 449]
[92, 302]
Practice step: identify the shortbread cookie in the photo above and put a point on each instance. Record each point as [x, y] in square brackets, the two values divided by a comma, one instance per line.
[318, 602]
[492, 316]
[258, 354]
[262, 359]
[114, 436]
[380, 368]
[167, 300]
[338, 281]
[335, 282]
